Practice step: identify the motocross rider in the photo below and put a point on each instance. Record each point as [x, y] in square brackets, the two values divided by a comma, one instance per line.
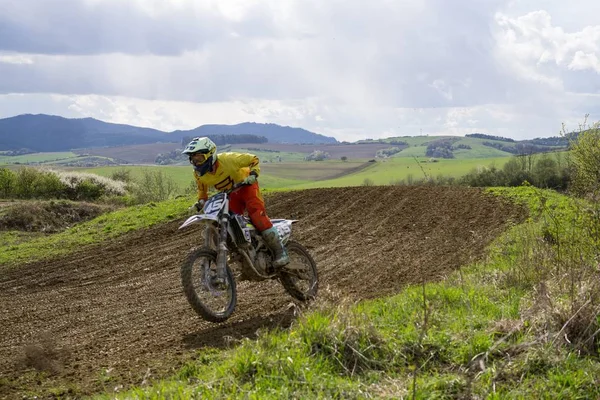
[222, 172]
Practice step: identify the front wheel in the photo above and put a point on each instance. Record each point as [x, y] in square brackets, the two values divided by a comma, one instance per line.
[299, 277]
[213, 299]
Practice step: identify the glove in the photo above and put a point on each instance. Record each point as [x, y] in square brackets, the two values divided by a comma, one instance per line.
[197, 206]
[250, 179]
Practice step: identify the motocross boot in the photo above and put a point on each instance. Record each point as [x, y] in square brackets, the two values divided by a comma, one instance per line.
[273, 241]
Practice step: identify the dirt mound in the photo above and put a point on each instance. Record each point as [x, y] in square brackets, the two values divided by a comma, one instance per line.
[120, 311]
[49, 216]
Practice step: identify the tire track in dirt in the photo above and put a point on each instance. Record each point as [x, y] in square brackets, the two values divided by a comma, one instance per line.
[119, 306]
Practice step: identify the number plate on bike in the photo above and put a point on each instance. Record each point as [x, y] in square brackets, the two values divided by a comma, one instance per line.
[215, 204]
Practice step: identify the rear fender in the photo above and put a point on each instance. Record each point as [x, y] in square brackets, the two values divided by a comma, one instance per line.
[284, 227]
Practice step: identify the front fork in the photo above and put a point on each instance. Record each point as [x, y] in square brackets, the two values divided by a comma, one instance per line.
[222, 248]
[216, 239]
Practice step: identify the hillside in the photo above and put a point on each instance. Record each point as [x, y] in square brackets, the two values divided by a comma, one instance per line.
[115, 313]
[275, 133]
[469, 146]
[48, 133]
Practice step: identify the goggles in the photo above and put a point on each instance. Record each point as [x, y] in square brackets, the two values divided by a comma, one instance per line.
[199, 158]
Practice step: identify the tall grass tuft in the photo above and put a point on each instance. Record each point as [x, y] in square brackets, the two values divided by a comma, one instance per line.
[557, 259]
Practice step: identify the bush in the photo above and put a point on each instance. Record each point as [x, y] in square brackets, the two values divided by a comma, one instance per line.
[122, 175]
[153, 186]
[317, 155]
[7, 183]
[84, 186]
[368, 182]
[585, 160]
[31, 183]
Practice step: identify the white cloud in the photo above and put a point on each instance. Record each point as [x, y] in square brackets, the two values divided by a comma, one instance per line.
[542, 51]
[583, 61]
[15, 59]
[345, 68]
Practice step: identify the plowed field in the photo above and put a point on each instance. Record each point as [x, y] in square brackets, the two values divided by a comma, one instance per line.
[114, 315]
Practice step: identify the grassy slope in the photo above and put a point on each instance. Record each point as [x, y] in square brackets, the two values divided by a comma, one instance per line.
[270, 156]
[181, 175]
[393, 170]
[304, 175]
[383, 347]
[469, 335]
[36, 157]
[418, 146]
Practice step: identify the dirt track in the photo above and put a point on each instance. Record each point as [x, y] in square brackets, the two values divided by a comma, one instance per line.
[119, 307]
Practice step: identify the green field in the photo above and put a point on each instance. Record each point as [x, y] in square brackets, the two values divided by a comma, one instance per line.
[392, 170]
[418, 147]
[270, 156]
[36, 158]
[303, 175]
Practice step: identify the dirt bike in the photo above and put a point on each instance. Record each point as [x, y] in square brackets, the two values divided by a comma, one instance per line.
[231, 239]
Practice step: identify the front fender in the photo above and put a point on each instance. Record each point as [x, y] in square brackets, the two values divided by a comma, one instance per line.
[198, 218]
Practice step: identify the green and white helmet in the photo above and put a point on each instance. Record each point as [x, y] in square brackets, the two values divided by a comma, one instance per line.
[205, 147]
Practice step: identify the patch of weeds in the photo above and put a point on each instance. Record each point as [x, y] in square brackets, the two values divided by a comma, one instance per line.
[348, 340]
[101, 228]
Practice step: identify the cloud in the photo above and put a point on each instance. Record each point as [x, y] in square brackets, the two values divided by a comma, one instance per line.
[84, 27]
[15, 59]
[386, 53]
[544, 52]
[347, 68]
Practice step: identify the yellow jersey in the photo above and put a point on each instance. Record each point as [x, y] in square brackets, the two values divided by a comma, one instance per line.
[230, 168]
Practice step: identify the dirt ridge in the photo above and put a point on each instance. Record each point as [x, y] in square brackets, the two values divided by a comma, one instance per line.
[119, 306]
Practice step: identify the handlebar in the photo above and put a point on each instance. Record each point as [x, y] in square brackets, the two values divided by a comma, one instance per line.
[235, 187]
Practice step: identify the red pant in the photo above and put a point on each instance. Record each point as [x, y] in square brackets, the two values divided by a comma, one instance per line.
[248, 197]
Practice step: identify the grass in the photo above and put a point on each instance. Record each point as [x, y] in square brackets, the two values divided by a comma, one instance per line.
[14, 248]
[310, 171]
[476, 334]
[274, 176]
[336, 173]
[181, 175]
[36, 158]
[271, 156]
[418, 146]
[393, 170]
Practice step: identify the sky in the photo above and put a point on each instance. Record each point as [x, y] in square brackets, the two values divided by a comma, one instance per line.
[351, 69]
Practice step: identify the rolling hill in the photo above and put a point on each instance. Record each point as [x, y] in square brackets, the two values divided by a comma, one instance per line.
[49, 133]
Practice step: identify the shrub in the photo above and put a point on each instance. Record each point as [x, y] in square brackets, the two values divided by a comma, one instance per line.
[585, 160]
[368, 182]
[84, 186]
[7, 183]
[25, 183]
[317, 155]
[153, 186]
[122, 175]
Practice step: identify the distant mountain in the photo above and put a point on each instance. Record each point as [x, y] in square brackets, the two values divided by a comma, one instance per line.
[274, 133]
[52, 133]
[42, 132]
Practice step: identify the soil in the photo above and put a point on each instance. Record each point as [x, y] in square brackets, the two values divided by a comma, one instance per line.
[48, 216]
[114, 315]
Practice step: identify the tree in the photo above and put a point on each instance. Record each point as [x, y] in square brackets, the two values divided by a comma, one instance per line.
[585, 160]
[344, 158]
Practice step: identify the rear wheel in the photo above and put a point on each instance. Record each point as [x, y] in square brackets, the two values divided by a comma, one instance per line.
[213, 299]
[299, 277]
